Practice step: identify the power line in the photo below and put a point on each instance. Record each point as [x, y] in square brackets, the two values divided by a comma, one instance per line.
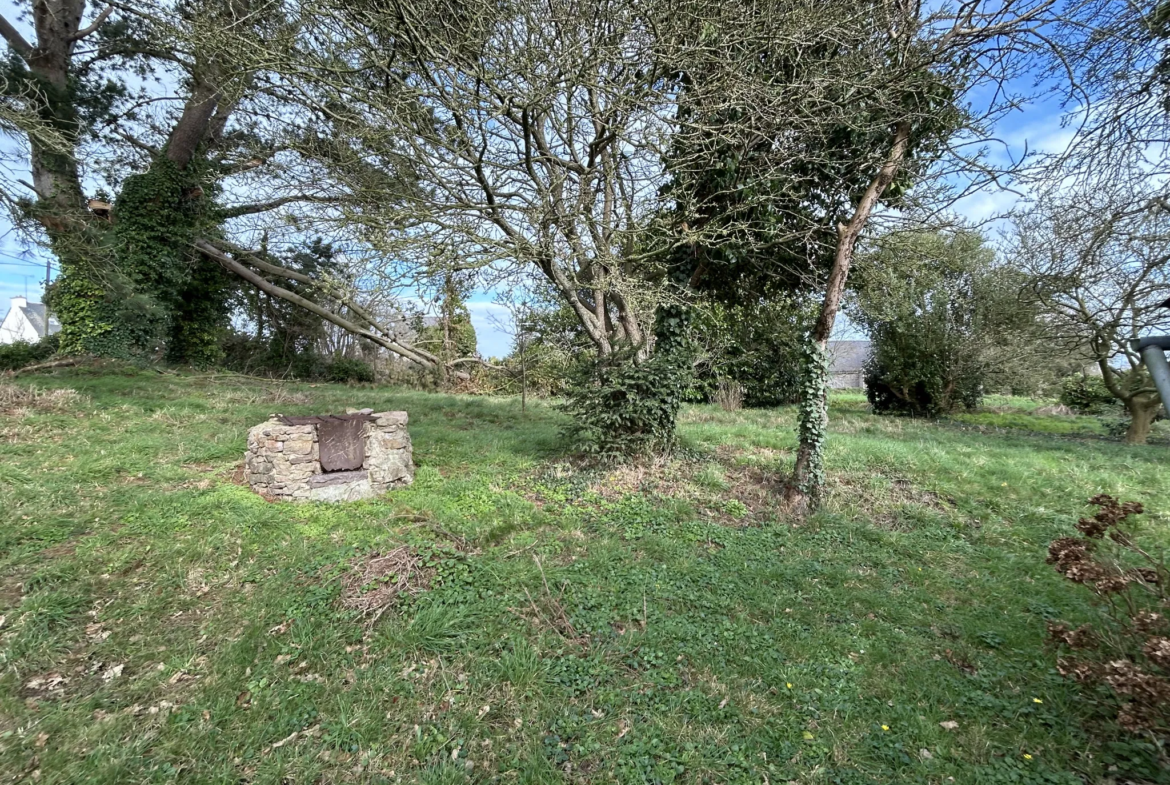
[28, 264]
[23, 260]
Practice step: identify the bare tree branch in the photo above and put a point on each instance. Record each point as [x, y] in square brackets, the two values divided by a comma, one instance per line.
[94, 25]
[15, 39]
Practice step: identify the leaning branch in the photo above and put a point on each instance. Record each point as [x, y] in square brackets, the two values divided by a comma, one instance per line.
[14, 38]
[423, 358]
[263, 207]
[327, 288]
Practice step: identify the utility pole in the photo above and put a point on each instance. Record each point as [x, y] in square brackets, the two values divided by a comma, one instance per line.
[1153, 352]
[523, 370]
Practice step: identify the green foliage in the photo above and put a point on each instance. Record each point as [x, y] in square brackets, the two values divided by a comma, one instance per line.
[156, 293]
[345, 369]
[260, 357]
[813, 418]
[623, 408]
[22, 353]
[1086, 394]
[285, 339]
[552, 344]
[757, 346]
[939, 315]
[457, 339]
[911, 374]
[452, 336]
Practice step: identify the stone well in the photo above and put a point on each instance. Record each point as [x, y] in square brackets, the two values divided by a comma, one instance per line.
[330, 458]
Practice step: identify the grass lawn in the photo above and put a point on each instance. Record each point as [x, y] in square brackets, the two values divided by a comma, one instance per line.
[662, 623]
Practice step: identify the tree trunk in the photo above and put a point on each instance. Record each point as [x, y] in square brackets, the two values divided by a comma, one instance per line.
[54, 171]
[195, 122]
[60, 206]
[1142, 411]
[803, 489]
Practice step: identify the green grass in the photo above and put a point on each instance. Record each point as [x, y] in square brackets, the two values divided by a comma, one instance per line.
[661, 623]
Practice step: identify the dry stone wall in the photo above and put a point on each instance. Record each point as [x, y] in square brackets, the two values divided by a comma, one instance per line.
[283, 461]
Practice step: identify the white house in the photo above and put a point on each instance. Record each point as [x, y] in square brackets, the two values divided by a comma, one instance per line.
[27, 322]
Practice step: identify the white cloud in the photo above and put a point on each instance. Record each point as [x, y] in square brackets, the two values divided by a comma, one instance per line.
[491, 340]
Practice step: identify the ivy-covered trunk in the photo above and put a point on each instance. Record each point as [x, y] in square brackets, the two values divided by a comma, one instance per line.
[158, 296]
[44, 69]
[808, 476]
[177, 299]
[155, 295]
[625, 403]
[804, 488]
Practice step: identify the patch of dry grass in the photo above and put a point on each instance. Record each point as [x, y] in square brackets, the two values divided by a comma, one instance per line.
[250, 396]
[376, 580]
[881, 499]
[20, 401]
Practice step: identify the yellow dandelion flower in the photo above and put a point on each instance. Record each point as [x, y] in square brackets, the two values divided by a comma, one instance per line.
[885, 727]
[788, 685]
[1036, 700]
[1027, 756]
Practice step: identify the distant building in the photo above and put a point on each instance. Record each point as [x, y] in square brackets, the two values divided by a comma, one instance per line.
[847, 361]
[27, 322]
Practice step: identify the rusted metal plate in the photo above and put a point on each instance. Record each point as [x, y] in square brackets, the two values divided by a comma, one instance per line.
[317, 419]
[342, 444]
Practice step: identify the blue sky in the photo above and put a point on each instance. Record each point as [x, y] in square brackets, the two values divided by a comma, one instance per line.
[1036, 127]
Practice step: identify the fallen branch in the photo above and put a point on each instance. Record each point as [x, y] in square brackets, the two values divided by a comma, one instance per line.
[419, 356]
[65, 362]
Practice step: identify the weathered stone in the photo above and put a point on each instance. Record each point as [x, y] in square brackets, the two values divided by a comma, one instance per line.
[297, 459]
[299, 447]
[388, 442]
[283, 460]
[343, 492]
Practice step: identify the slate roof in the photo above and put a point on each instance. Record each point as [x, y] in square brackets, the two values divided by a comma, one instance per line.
[403, 325]
[848, 356]
[35, 313]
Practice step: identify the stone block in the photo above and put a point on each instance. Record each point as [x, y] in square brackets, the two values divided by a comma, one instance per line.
[343, 492]
[391, 441]
[299, 447]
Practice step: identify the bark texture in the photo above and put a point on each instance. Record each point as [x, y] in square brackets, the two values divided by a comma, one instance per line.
[804, 487]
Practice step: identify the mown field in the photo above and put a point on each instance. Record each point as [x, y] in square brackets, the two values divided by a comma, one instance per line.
[548, 623]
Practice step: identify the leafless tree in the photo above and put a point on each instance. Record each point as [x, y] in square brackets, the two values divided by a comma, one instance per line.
[1097, 258]
[1111, 60]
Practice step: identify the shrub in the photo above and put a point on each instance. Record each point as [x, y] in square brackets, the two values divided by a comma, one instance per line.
[622, 408]
[757, 346]
[907, 375]
[22, 353]
[345, 370]
[1086, 394]
[945, 319]
[1128, 653]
